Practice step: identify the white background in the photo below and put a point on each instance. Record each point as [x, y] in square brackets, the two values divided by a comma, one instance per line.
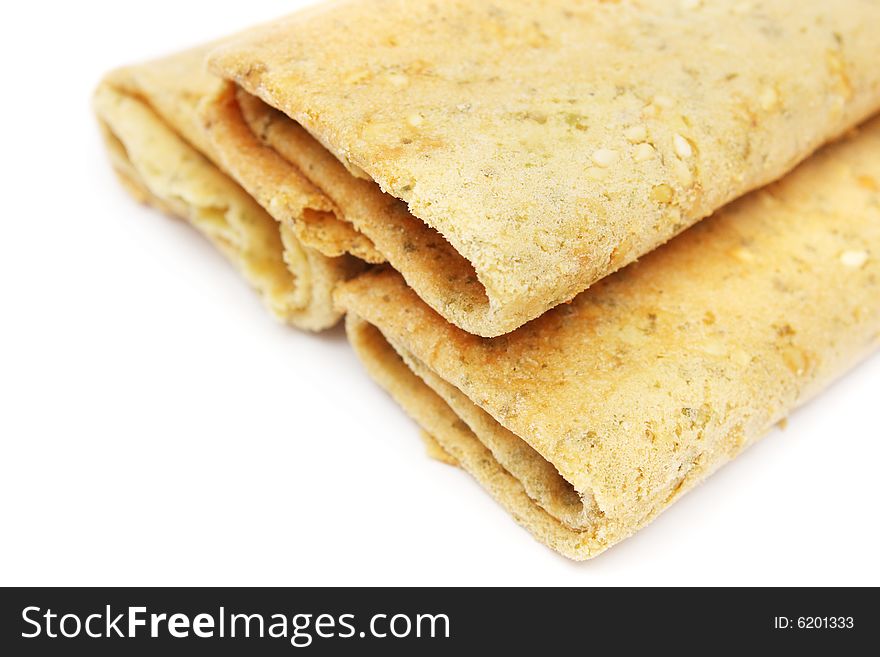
[158, 427]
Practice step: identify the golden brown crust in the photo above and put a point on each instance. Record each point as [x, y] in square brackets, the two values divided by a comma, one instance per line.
[658, 375]
[456, 439]
[262, 148]
[435, 451]
[552, 142]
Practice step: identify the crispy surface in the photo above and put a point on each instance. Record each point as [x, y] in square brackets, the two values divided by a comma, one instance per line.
[150, 116]
[262, 148]
[658, 375]
[551, 142]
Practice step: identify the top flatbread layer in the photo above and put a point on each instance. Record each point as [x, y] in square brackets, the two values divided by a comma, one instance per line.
[552, 142]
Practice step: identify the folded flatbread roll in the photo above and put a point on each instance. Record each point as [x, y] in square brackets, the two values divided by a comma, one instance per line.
[505, 156]
[590, 420]
[149, 116]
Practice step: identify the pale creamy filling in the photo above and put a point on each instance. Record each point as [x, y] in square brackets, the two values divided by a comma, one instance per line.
[160, 167]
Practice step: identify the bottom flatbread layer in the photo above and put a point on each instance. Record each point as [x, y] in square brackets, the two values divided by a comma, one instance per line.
[589, 421]
[150, 119]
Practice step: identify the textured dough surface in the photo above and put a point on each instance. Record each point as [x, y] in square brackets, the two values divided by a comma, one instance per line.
[151, 120]
[551, 142]
[656, 376]
[263, 149]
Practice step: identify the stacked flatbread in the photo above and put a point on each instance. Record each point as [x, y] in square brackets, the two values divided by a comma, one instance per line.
[489, 162]
[593, 418]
